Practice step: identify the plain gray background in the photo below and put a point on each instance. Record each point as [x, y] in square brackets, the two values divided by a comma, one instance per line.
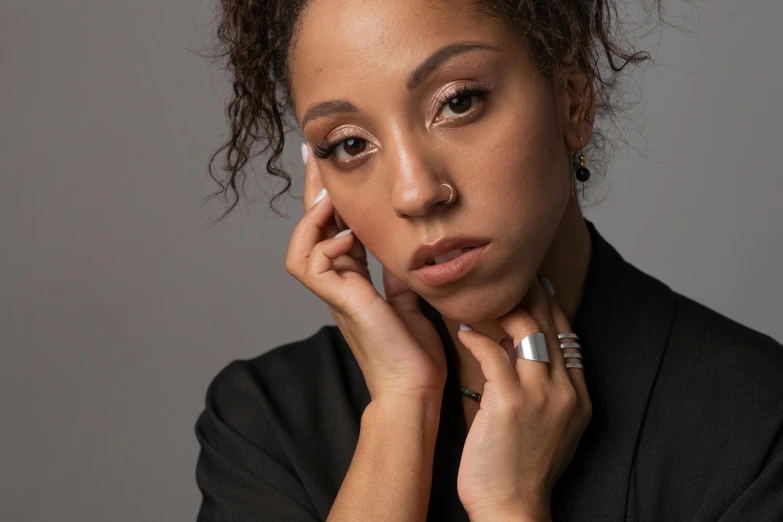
[118, 304]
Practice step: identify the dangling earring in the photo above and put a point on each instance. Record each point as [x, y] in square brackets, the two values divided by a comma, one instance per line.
[582, 172]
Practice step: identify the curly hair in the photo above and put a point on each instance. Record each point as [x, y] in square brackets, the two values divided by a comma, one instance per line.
[253, 37]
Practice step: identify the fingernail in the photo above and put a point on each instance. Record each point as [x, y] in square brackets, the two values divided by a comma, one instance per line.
[343, 233]
[305, 153]
[547, 285]
[507, 343]
[465, 327]
[320, 196]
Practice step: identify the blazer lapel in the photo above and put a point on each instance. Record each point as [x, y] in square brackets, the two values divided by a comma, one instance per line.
[623, 322]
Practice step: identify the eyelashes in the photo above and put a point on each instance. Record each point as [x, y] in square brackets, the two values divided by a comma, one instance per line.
[480, 90]
[324, 150]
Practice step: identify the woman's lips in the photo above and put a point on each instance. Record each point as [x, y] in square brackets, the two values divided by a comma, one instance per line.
[442, 273]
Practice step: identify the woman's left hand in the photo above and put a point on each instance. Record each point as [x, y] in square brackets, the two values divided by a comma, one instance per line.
[531, 417]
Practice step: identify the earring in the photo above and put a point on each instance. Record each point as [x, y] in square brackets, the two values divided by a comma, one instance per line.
[582, 173]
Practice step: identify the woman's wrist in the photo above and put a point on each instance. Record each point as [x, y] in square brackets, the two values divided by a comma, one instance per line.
[421, 414]
[513, 516]
[520, 512]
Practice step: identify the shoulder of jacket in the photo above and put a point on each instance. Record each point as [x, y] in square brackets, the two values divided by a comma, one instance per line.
[697, 322]
[289, 364]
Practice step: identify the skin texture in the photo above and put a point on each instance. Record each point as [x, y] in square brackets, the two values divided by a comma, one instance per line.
[508, 155]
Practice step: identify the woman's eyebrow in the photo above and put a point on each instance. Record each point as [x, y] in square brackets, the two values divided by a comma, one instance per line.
[415, 79]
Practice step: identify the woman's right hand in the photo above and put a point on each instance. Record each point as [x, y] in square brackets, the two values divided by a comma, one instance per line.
[398, 349]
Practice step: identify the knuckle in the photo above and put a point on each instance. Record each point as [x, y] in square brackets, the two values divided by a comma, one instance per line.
[306, 280]
[306, 274]
[569, 400]
[587, 411]
[516, 406]
[289, 267]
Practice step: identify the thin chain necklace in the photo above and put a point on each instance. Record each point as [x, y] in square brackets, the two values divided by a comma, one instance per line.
[467, 392]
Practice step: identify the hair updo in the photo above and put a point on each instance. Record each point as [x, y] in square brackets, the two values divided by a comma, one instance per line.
[253, 36]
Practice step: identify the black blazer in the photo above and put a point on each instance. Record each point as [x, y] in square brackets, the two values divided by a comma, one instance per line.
[686, 426]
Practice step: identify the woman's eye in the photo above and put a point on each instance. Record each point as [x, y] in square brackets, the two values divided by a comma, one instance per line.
[342, 150]
[460, 104]
[463, 101]
[351, 146]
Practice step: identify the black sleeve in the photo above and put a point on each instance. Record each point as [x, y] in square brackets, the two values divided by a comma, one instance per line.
[242, 471]
[762, 500]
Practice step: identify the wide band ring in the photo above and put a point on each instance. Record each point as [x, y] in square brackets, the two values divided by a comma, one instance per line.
[533, 348]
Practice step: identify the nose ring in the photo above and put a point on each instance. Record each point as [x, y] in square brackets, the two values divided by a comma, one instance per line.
[451, 194]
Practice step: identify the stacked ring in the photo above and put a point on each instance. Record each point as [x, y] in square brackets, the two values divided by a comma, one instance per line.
[571, 355]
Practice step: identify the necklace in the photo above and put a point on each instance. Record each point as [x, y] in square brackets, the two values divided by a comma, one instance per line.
[467, 392]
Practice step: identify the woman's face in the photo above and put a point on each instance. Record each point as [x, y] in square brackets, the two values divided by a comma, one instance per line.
[502, 144]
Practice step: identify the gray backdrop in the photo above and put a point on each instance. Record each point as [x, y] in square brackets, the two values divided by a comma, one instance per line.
[118, 305]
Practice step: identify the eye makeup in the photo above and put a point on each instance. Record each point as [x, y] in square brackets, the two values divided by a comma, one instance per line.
[479, 90]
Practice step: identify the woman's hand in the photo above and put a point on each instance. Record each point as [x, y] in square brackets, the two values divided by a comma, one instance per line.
[398, 349]
[531, 417]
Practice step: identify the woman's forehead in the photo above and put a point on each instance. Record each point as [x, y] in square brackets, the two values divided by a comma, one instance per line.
[340, 43]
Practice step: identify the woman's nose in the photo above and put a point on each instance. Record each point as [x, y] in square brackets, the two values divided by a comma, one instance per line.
[417, 189]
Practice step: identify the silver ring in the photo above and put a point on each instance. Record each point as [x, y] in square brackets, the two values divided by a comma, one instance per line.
[570, 335]
[533, 348]
[570, 345]
[451, 194]
[576, 355]
[575, 365]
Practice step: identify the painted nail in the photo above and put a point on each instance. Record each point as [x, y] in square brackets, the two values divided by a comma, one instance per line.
[320, 196]
[547, 285]
[343, 233]
[305, 153]
[466, 327]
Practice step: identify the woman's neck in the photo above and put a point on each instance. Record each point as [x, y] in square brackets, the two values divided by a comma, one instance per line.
[565, 264]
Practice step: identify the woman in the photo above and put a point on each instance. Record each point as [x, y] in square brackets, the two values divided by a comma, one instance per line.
[518, 368]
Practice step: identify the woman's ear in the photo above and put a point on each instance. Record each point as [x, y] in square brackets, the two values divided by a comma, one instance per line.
[577, 108]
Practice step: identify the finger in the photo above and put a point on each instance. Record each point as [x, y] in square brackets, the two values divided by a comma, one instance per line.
[492, 357]
[314, 188]
[313, 183]
[358, 252]
[562, 325]
[538, 303]
[308, 232]
[508, 344]
[323, 257]
[318, 274]
[518, 324]
[348, 262]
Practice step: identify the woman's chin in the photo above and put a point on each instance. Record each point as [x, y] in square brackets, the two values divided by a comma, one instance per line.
[477, 307]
